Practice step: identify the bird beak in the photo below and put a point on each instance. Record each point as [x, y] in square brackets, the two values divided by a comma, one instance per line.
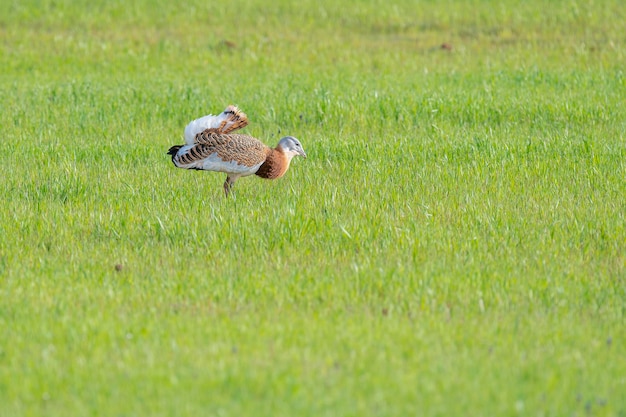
[303, 154]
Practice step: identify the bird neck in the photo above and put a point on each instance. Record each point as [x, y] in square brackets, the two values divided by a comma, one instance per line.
[275, 165]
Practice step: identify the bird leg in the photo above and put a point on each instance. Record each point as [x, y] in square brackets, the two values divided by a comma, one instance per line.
[228, 184]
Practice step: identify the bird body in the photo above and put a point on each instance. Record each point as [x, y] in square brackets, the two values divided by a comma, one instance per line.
[210, 146]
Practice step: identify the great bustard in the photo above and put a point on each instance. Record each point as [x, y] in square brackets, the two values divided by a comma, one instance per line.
[210, 145]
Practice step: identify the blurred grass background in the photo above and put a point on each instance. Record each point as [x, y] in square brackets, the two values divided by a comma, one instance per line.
[454, 243]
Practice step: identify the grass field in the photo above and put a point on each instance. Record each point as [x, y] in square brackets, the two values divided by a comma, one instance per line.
[454, 244]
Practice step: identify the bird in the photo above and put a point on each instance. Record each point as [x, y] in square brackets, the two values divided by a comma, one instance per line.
[211, 145]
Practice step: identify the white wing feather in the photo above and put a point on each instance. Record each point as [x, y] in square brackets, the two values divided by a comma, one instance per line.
[201, 124]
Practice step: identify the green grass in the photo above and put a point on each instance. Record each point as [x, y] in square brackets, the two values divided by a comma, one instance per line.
[453, 245]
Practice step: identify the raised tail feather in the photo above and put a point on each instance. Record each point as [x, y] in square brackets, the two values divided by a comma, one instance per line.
[229, 120]
[235, 119]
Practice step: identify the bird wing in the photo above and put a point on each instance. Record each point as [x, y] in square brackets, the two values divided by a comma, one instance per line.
[228, 121]
[240, 154]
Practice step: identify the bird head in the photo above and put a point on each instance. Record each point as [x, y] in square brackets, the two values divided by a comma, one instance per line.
[291, 146]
